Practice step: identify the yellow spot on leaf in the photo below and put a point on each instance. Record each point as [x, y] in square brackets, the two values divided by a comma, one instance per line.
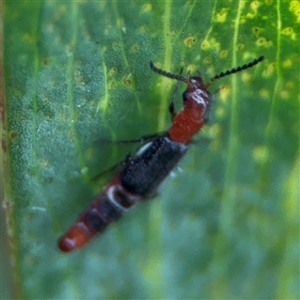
[249, 16]
[112, 71]
[285, 95]
[222, 15]
[246, 77]
[240, 47]
[264, 93]
[205, 45]
[220, 112]
[147, 7]
[224, 53]
[287, 63]
[112, 84]
[207, 60]
[143, 29]
[134, 48]
[192, 69]
[189, 41]
[289, 31]
[27, 38]
[294, 6]
[261, 154]
[256, 30]
[215, 129]
[263, 42]
[254, 5]
[212, 44]
[224, 93]
[90, 152]
[269, 70]
[290, 85]
[127, 81]
[60, 12]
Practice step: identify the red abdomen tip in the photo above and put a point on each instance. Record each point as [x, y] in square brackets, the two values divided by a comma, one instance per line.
[65, 244]
[76, 237]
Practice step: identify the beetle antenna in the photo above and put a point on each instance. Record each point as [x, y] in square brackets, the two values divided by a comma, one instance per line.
[235, 70]
[166, 74]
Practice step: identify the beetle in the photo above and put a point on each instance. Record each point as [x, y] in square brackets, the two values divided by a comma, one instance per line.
[142, 174]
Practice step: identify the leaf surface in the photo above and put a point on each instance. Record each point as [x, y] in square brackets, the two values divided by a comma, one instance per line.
[226, 226]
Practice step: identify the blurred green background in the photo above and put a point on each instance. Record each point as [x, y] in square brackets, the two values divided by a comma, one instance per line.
[226, 225]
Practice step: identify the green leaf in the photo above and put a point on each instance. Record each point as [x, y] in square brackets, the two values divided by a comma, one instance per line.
[227, 225]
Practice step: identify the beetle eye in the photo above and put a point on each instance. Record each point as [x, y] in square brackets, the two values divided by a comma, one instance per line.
[185, 96]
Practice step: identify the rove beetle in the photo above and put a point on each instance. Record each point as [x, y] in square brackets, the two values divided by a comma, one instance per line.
[142, 173]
